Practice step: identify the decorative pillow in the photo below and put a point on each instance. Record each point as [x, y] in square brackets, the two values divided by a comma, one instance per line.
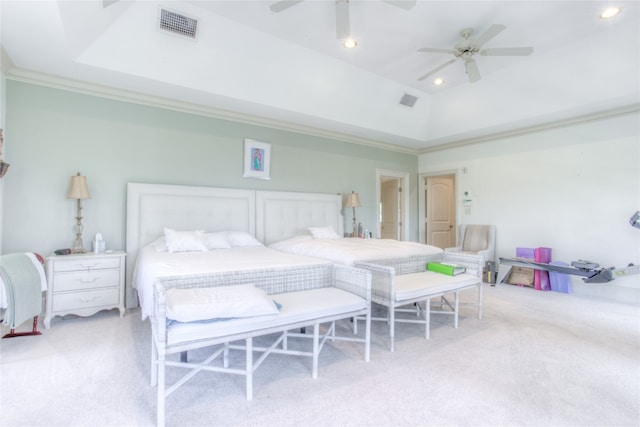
[158, 245]
[222, 302]
[184, 241]
[216, 240]
[323, 232]
[241, 238]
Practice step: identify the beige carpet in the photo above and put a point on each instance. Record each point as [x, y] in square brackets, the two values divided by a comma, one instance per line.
[535, 359]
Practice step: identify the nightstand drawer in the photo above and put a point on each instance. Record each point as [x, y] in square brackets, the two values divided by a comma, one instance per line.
[92, 279]
[80, 300]
[86, 264]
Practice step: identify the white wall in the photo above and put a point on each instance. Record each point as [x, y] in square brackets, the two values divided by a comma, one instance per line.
[572, 189]
[55, 133]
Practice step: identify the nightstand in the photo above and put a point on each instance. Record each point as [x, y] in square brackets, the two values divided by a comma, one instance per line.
[84, 284]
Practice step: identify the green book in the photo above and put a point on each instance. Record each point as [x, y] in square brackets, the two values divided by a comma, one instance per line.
[445, 268]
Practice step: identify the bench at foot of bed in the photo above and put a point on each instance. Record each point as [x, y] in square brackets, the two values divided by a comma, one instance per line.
[397, 292]
[309, 309]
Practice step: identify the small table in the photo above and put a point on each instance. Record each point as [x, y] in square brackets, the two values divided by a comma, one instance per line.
[84, 284]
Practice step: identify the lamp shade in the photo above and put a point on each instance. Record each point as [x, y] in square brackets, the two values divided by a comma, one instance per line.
[353, 201]
[78, 188]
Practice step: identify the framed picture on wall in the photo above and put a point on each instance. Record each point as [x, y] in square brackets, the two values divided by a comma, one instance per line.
[257, 159]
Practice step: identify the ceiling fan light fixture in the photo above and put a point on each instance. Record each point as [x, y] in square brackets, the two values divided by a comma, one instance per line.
[610, 12]
[350, 43]
[438, 81]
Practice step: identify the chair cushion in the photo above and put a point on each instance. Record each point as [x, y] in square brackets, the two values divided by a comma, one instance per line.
[298, 306]
[430, 283]
[476, 238]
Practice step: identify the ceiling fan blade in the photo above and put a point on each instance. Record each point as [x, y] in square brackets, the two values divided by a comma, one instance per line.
[283, 4]
[402, 4]
[436, 50]
[343, 25]
[472, 70]
[435, 70]
[493, 31]
[507, 51]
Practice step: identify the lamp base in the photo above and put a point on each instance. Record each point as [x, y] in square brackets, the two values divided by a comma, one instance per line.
[78, 248]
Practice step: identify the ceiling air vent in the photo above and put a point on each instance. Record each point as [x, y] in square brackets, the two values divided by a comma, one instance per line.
[178, 24]
[408, 100]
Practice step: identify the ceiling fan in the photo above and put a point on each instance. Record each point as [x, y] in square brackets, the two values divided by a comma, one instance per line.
[468, 47]
[343, 30]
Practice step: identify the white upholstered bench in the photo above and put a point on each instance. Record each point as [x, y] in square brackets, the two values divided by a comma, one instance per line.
[419, 287]
[342, 294]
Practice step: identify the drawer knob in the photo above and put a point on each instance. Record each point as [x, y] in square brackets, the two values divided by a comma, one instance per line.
[94, 298]
[89, 280]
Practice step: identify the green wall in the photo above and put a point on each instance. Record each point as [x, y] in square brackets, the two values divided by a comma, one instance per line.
[51, 134]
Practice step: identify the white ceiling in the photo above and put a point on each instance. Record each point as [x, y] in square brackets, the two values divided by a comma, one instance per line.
[288, 69]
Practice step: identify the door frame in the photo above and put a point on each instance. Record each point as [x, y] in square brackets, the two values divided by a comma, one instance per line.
[421, 199]
[380, 173]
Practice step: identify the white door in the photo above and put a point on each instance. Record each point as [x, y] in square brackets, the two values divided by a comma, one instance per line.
[440, 211]
[389, 209]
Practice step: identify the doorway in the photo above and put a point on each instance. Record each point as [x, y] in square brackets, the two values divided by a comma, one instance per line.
[437, 210]
[393, 209]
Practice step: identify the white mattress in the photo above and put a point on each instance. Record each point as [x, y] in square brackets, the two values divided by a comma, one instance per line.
[151, 265]
[349, 250]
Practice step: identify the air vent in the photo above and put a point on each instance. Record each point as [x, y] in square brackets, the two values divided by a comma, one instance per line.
[178, 24]
[408, 100]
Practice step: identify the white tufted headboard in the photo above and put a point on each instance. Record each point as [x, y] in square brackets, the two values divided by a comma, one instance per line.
[151, 207]
[282, 215]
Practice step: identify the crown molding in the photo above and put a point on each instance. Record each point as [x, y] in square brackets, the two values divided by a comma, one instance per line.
[598, 115]
[92, 89]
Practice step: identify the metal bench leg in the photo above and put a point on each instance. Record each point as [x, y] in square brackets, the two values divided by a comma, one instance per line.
[456, 305]
[161, 390]
[249, 367]
[316, 347]
[392, 327]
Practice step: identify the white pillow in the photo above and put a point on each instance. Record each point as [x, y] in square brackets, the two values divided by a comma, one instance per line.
[184, 241]
[222, 302]
[216, 240]
[323, 232]
[158, 245]
[241, 238]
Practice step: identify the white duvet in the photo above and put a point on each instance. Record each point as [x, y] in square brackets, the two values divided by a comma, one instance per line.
[152, 264]
[349, 250]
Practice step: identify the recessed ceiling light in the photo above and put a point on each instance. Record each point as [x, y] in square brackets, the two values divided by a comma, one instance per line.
[610, 12]
[439, 81]
[350, 43]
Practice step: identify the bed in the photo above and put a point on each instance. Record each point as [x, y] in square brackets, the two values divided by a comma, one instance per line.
[226, 219]
[312, 225]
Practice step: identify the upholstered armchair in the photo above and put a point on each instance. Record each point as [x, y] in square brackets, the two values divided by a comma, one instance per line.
[476, 239]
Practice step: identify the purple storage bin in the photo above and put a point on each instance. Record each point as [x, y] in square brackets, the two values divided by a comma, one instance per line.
[542, 255]
[541, 278]
[560, 282]
[528, 253]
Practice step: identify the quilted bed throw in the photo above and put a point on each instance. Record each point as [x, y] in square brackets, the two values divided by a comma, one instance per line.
[22, 279]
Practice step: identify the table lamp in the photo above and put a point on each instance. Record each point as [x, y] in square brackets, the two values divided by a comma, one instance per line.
[353, 201]
[78, 190]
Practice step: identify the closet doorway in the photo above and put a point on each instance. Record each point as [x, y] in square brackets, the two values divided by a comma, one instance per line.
[393, 209]
[437, 209]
